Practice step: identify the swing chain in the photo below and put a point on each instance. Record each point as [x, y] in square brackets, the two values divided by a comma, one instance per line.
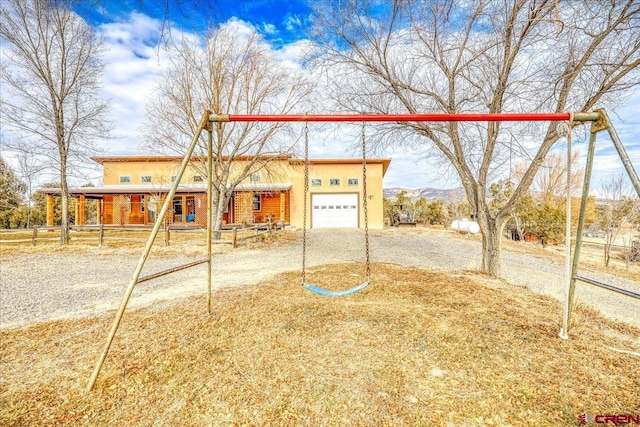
[364, 205]
[306, 192]
[364, 202]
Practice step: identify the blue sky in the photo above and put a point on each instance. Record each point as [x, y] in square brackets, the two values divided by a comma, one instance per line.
[132, 28]
[280, 22]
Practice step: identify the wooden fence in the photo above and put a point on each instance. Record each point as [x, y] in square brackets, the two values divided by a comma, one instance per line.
[100, 234]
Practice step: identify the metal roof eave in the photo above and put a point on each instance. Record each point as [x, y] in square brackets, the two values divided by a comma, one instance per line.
[150, 189]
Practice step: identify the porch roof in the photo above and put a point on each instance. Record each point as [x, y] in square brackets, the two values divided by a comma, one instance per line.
[151, 189]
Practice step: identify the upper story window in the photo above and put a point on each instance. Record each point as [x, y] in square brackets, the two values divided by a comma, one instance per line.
[334, 181]
[173, 178]
[125, 179]
[198, 178]
[145, 178]
[353, 181]
[316, 182]
[255, 177]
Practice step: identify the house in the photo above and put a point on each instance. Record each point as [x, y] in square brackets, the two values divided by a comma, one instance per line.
[136, 186]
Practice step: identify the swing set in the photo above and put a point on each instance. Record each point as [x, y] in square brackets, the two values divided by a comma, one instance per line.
[599, 121]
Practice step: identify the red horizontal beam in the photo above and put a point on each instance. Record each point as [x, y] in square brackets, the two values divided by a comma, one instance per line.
[433, 117]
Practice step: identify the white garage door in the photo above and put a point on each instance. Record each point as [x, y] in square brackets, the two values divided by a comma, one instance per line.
[334, 210]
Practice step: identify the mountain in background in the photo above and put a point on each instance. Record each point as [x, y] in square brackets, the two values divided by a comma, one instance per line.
[453, 194]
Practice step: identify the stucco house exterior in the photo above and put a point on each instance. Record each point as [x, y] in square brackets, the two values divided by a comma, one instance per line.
[134, 188]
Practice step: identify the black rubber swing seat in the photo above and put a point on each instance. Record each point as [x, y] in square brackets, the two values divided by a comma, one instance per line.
[324, 292]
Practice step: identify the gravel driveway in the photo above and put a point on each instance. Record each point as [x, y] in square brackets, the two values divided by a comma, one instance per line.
[41, 286]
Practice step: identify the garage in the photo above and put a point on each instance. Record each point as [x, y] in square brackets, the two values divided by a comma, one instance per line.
[334, 210]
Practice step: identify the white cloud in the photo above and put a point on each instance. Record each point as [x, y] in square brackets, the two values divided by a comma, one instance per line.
[241, 27]
[291, 55]
[134, 63]
[292, 22]
[269, 28]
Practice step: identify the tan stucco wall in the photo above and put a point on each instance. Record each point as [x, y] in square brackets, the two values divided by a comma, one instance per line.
[279, 171]
[160, 172]
[344, 172]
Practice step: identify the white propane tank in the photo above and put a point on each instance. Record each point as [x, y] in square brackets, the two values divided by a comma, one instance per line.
[465, 226]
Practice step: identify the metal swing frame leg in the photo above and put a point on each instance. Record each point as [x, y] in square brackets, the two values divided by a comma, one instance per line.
[204, 123]
[602, 123]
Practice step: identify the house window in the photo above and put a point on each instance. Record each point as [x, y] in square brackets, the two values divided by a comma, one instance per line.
[145, 178]
[353, 181]
[173, 178]
[142, 203]
[257, 202]
[334, 181]
[198, 178]
[125, 179]
[316, 182]
[177, 208]
[255, 177]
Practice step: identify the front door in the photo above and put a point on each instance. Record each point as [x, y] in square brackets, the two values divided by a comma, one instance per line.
[191, 209]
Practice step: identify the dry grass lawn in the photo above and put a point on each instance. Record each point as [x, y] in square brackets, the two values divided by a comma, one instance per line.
[416, 348]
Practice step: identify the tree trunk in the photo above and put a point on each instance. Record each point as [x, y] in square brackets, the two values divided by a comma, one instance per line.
[29, 207]
[220, 201]
[64, 195]
[491, 244]
[519, 229]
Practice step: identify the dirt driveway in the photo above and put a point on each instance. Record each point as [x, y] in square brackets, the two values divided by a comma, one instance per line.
[38, 285]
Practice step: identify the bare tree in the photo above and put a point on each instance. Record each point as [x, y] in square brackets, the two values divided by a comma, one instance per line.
[11, 191]
[30, 166]
[231, 70]
[50, 86]
[551, 180]
[414, 56]
[618, 210]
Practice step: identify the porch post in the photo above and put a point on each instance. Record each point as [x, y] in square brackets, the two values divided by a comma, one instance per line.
[81, 209]
[282, 205]
[76, 220]
[49, 210]
[99, 203]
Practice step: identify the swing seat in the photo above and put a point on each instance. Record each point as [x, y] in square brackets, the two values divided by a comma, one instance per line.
[326, 293]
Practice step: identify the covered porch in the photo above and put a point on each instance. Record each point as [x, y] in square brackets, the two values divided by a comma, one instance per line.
[137, 206]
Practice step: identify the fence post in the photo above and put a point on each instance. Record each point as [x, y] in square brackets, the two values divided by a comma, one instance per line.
[167, 236]
[234, 238]
[34, 237]
[101, 235]
[635, 250]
